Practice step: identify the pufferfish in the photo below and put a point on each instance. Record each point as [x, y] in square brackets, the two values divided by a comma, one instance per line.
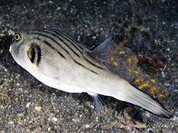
[58, 61]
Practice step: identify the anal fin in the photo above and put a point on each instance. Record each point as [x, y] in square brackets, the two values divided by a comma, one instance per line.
[98, 102]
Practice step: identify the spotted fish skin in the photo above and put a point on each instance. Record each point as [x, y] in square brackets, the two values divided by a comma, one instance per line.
[60, 62]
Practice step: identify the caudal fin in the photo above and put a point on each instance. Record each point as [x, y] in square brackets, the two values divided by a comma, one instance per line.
[143, 100]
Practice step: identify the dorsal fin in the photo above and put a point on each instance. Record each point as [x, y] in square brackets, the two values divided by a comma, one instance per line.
[102, 46]
[101, 52]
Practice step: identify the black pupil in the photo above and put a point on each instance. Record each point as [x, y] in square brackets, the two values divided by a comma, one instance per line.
[17, 37]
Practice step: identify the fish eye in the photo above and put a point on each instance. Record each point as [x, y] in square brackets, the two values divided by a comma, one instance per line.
[17, 37]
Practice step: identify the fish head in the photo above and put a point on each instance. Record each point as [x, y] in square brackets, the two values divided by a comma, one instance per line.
[24, 50]
[41, 61]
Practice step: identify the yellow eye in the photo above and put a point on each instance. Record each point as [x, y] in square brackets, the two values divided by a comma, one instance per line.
[17, 37]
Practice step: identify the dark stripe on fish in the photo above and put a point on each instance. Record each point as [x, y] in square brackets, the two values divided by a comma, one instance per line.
[69, 39]
[47, 43]
[93, 63]
[52, 40]
[84, 66]
[55, 35]
[58, 37]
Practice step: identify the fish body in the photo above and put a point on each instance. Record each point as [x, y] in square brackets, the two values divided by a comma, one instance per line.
[60, 62]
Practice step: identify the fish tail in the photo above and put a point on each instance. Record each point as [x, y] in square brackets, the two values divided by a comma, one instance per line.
[143, 100]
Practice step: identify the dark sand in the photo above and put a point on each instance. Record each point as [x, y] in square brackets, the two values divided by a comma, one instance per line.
[149, 26]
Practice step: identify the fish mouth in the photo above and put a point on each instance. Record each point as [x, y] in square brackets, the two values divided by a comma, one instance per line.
[10, 48]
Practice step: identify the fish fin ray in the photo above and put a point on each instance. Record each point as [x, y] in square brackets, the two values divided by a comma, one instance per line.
[98, 102]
